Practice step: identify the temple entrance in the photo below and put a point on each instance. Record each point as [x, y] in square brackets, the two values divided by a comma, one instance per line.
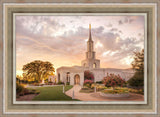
[77, 79]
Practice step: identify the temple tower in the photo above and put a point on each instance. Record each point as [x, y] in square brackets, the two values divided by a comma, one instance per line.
[90, 61]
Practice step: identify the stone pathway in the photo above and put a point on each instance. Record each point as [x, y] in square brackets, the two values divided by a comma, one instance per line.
[97, 97]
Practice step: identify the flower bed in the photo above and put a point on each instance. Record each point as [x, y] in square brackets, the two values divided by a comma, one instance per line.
[138, 91]
[88, 83]
[118, 92]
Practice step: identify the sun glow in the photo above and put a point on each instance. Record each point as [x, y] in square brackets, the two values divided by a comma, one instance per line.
[98, 44]
[128, 60]
[19, 72]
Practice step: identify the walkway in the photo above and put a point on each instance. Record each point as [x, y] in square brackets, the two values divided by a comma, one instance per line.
[97, 97]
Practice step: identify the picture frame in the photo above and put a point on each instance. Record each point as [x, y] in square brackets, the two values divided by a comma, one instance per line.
[9, 107]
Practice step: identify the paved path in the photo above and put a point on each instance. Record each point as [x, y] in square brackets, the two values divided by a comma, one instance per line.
[97, 97]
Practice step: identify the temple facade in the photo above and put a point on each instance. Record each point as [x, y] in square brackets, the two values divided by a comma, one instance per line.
[75, 74]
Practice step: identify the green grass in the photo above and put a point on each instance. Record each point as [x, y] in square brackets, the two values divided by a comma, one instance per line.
[53, 94]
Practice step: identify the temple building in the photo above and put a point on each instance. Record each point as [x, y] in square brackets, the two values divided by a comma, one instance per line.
[75, 74]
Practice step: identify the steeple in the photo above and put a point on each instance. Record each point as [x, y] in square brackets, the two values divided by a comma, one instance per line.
[90, 36]
[90, 53]
[90, 61]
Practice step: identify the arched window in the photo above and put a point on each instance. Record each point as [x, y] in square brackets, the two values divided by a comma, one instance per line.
[94, 65]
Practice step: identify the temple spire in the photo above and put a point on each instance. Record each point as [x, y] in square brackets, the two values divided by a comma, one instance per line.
[90, 36]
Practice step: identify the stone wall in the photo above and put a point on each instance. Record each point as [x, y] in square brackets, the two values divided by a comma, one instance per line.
[99, 73]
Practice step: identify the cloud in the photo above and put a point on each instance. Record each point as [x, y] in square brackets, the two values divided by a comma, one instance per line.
[114, 29]
[47, 38]
[131, 19]
[109, 25]
[120, 22]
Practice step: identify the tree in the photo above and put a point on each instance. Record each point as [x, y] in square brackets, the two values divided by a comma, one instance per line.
[37, 70]
[88, 75]
[137, 80]
[138, 63]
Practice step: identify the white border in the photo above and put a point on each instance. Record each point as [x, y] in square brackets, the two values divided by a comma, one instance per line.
[86, 5]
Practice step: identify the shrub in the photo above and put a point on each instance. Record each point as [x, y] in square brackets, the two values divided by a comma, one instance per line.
[60, 82]
[36, 84]
[139, 91]
[88, 75]
[26, 91]
[99, 87]
[19, 88]
[137, 80]
[88, 83]
[99, 82]
[50, 82]
[113, 81]
[68, 83]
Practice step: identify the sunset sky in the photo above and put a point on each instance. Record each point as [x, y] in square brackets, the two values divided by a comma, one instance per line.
[61, 40]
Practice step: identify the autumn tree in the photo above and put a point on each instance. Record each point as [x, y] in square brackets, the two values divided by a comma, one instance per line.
[37, 70]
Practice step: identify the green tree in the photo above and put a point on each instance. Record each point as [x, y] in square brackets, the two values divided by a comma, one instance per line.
[138, 65]
[37, 70]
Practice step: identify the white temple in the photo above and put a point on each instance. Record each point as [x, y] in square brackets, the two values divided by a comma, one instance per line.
[75, 74]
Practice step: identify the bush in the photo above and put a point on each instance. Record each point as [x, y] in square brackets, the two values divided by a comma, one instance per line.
[88, 83]
[19, 88]
[50, 82]
[113, 81]
[139, 91]
[88, 75]
[60, 82]
[99, 87]
[36, 84]
[68, 83]
[137, 80]
[99, 82]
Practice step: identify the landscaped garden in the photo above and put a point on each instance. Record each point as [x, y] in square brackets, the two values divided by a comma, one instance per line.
[54, 93]
[113, 85]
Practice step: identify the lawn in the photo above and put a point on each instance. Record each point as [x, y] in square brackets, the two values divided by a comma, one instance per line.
[53, 94]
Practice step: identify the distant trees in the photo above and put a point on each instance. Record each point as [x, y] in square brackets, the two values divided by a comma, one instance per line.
[37, 70]
[138, 65]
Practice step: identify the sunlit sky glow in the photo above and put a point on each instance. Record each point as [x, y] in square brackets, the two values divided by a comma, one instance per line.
[62, 39]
